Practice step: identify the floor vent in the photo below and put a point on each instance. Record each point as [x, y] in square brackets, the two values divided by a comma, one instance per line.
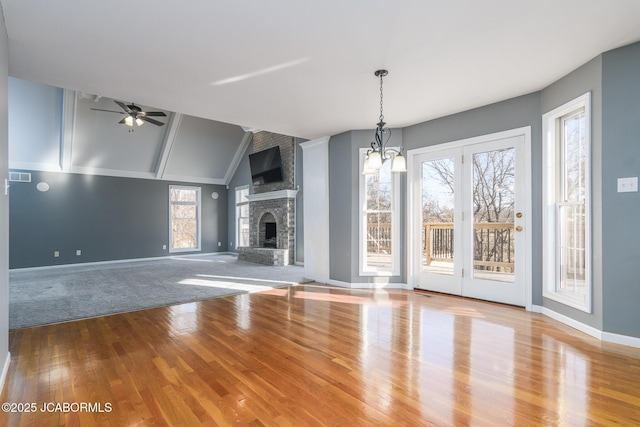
[19, 176]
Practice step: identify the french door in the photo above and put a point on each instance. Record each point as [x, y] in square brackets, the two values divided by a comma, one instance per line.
[469, 206]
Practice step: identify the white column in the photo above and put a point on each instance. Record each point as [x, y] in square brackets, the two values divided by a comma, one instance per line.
[315, 174]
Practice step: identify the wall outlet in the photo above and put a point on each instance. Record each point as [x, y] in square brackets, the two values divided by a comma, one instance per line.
[78, 252]
[56, 254]
[164, 247]
[628, 185]
[219, 244]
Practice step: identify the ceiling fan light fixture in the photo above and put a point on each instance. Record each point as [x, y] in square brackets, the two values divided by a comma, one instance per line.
[139, 121]
[128, 121]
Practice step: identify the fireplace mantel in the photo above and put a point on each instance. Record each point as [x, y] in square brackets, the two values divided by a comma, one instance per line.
[272, 195]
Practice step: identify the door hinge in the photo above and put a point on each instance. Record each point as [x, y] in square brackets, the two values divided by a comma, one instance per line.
[463, 272]
[462, 158]
[6, 187]
[463, 216]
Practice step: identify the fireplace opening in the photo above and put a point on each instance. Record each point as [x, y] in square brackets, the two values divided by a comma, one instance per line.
[270, 240]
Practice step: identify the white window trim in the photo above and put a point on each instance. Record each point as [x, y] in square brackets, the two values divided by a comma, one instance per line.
[199, 217]
[395, 224]
[238, 204]
[549, 223]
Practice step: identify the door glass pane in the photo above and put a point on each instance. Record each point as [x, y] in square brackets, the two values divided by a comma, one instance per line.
[493, 215]
[437, 216]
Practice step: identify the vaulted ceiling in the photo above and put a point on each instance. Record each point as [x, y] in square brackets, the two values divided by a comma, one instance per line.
[306, 68]
[53, 129]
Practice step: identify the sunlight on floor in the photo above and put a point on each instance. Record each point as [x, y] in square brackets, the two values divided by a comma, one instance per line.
[349, 299]
[463, 311]
[283, 282]
[226, 285]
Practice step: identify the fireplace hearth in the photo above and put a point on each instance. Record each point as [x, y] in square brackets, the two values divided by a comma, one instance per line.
[272, 226]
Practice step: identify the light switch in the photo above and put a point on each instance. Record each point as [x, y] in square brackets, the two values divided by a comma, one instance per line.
[628, 185]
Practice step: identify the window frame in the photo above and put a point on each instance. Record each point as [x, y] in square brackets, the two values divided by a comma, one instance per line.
[239, 217]
[364, 268]
[552, 190]
[198, 204]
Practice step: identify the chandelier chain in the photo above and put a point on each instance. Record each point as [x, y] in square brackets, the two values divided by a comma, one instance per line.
[381, 96]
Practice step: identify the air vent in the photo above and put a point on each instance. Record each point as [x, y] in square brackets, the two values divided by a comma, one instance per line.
[19, 177]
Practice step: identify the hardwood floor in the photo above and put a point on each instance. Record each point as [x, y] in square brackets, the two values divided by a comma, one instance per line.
[314, 355]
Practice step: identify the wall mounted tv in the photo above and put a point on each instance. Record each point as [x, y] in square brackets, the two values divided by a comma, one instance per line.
[266, 166]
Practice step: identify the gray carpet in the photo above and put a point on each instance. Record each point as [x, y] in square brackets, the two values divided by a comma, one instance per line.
[53, 295]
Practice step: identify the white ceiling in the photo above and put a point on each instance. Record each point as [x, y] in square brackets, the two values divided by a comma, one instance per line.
[306, 68]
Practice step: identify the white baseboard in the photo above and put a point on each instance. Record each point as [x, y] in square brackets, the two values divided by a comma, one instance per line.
[120, 261]
[589, 330]
[5, 370]
[366, 285]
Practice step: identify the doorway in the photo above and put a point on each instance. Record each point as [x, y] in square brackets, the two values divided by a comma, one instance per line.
[470, 218]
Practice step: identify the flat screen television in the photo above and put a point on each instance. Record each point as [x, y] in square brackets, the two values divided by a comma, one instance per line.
[266, 166]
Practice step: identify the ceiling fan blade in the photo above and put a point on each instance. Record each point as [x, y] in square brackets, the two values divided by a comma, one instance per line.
[123, 106]
[153, 114]
[147, 119]
[109, 111]
[121, 122]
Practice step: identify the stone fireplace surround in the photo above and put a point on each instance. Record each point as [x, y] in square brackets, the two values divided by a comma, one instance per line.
[276, 200]
[275, 206]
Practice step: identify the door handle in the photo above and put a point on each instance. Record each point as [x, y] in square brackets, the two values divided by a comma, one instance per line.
[519, 215]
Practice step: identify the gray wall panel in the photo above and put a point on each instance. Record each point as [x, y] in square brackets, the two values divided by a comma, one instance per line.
[35, 123]
[341, 213]
[107, 218]
[240, 178]
[620, 158]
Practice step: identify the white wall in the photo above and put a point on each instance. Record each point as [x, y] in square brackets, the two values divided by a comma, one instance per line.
[4, 206]
[316, 209]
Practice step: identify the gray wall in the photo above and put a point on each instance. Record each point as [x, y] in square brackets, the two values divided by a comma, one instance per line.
[241, 177]
[4, 201]
[620, 158]
[341, 213]
[107, 218]
[35, 114]
[587, 78]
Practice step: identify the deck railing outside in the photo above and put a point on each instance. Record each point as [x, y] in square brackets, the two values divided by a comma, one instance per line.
[493, 244]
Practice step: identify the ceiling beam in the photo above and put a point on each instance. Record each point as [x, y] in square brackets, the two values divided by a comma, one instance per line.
[167, 144]
[69, 103]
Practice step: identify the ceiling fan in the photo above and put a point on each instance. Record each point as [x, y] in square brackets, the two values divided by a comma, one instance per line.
[134, 114]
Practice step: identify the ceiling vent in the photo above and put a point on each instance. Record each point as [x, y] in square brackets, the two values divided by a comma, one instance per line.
[19, 176]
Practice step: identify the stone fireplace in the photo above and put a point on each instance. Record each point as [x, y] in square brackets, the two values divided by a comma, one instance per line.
[272, 209]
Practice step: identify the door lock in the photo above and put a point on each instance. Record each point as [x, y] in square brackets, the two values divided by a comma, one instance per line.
[518, 228]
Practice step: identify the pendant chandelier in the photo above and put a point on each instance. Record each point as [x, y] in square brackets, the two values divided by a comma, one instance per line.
[379, 153]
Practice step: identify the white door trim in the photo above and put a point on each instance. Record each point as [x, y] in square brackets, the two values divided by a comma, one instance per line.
[412, 184]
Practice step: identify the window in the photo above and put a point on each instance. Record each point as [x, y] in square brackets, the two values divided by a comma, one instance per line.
[184, 218]
[242, 216]
[567, 215]
[379, 222]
